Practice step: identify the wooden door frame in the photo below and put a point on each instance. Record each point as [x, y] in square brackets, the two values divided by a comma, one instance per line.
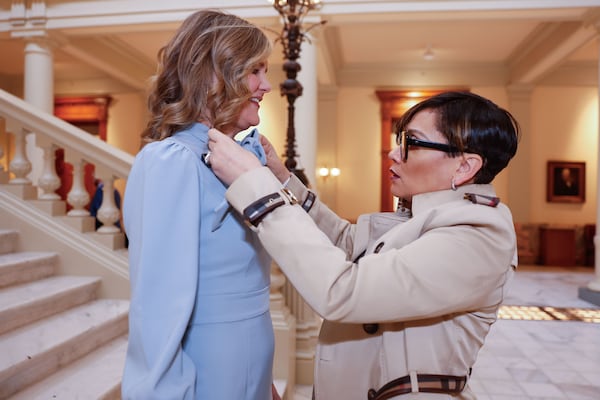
[393, 104]
[81, 110]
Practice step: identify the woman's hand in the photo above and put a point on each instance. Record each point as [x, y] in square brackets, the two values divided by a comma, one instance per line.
[273, 161]
[227, 159]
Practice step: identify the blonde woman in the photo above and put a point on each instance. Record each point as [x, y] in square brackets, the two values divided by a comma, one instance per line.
[199, 322]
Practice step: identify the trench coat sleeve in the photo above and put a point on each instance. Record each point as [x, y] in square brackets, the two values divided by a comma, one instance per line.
[162, 203]
[340, 231]
[425, 269]
[260, 182]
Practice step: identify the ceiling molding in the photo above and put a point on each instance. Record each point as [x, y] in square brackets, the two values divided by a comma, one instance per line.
[550, 47]
[573, 74]
[329, 55]
[90, 87]
[358, 6]
[442, 75]
[114, 57]
[84, 16]
[116, 38]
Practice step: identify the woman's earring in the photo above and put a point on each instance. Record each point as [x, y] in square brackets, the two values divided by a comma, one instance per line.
[453, 185]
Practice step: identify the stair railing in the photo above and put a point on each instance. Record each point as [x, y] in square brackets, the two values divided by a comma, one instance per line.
[22, 121]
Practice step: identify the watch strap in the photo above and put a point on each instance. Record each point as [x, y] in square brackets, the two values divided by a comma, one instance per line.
[256, 211]
[309, 201]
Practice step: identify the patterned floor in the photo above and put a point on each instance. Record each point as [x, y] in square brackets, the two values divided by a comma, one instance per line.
[545, 345]
[544, 313]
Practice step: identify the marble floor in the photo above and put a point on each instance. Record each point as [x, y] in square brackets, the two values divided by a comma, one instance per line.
[537, 359]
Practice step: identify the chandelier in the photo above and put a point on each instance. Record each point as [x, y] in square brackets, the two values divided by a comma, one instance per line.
[291, 38]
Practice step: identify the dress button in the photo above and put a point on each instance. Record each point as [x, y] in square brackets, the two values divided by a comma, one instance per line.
[371, 328]
[378, 247]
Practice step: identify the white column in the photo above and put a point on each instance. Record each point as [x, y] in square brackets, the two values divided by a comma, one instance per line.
[39, 91]
[306, 111]
[595, 284]
[3, 135]
[327, 144]
[307, 322]
[519, 170]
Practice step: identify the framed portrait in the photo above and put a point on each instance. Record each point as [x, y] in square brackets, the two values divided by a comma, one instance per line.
[565, 182]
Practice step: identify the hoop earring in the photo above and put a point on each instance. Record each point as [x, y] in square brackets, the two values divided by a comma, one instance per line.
[453, 185]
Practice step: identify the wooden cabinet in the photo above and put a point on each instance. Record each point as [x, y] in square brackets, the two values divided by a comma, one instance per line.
[557, 246]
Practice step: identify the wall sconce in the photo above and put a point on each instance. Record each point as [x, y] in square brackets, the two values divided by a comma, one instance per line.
[325, 172]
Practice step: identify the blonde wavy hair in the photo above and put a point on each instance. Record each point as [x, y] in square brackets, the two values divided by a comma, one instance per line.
[202, 73]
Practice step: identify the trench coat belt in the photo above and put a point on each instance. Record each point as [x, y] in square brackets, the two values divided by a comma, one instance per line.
[428, 383]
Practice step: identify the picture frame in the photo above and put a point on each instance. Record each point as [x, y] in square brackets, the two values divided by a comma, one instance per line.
[565, 182]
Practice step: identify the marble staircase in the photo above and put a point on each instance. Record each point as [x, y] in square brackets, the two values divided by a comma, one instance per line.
[58, 338]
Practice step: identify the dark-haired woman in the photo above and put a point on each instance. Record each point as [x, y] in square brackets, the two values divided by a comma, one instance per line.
[408, 298]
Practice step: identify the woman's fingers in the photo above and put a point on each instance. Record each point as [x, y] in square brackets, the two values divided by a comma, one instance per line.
[228, 159]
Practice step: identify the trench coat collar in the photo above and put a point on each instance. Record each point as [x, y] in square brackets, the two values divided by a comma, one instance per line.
[425, 201]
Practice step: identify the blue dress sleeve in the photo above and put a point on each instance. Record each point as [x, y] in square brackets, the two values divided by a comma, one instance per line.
[162, 220]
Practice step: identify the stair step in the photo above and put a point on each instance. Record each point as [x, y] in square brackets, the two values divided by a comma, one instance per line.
[27, 266]
[28, 302]
[8, 240]
[95, 376]
[33, 352]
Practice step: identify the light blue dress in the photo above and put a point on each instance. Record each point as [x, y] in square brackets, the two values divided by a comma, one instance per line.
[199, 322]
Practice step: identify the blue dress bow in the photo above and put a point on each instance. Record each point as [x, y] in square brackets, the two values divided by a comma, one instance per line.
[251, 143]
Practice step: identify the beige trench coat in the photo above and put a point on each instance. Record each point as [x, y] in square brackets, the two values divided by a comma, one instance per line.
[431, 285]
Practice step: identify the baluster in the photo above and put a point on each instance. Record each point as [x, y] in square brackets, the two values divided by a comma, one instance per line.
[20, 165]
[284, 328]
[78, 197]
[108, 213]
[3, 173]
[2, 133]
[49, 181]
[307, 333]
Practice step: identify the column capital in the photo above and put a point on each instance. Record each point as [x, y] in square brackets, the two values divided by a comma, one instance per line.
[28, 20]
[42, 38]
[592, 18]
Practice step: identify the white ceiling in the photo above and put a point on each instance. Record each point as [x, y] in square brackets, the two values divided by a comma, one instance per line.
[377, 43]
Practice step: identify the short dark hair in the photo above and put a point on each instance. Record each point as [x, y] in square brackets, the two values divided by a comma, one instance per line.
[472, 124]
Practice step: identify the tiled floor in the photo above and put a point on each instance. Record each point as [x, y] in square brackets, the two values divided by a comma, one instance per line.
[544, 359]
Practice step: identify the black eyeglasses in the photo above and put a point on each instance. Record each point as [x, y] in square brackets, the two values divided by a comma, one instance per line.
[403, 140]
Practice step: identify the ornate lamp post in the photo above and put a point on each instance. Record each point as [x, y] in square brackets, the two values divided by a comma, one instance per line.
[291, 37]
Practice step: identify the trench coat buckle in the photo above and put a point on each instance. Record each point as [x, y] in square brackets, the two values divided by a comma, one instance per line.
[427, 383]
